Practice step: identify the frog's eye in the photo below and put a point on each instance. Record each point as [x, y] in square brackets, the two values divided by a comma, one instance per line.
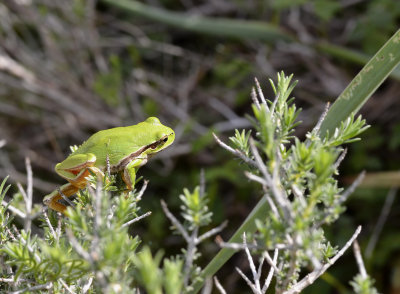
[153, 120]
[165, 139]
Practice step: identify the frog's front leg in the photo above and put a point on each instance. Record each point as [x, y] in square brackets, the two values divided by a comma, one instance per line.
[130, 170]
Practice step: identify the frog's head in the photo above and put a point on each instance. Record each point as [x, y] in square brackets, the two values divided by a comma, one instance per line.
[162, 136]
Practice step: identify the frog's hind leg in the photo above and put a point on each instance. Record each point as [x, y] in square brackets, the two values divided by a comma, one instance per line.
[52, 199]
[70, 189]
[80, 180]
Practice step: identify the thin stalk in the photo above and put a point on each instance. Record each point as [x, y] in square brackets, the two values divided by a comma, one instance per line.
[224, 254]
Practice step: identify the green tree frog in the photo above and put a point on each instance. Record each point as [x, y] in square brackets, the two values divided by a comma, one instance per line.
[127, 149]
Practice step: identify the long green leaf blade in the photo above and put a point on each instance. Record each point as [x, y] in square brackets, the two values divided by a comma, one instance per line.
[355, 57]
[233, 28]
[225, 27]
[364, 84]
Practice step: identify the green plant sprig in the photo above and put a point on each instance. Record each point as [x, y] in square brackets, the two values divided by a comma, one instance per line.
[288, 168]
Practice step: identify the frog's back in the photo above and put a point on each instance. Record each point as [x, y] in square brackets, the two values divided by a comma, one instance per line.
[116, 142]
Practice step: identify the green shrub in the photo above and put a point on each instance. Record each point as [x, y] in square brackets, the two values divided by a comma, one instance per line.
[92, 251]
